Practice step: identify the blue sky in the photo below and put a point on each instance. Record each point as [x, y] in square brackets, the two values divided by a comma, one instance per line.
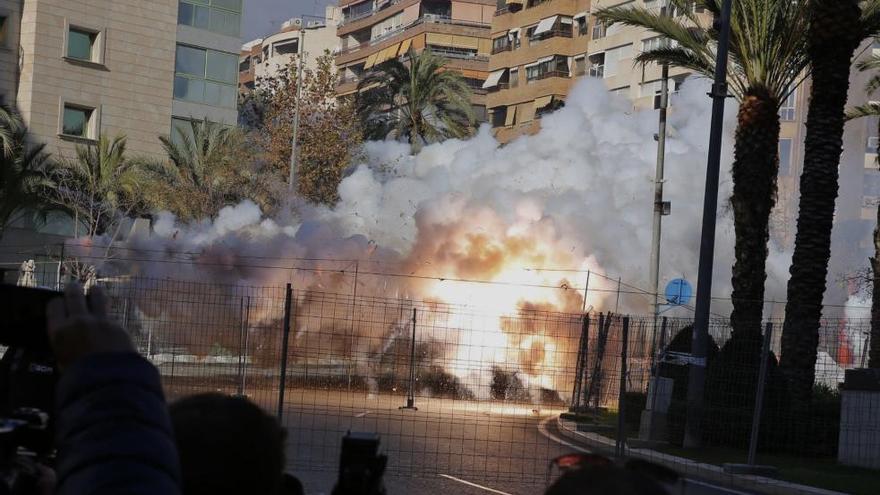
[262, 17]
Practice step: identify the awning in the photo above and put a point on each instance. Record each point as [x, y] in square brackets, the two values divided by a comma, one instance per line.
[511, 115]
[467, 42]
[404, 47]
[543, 101]
[525, 113]
[493, 79]
[545, 59]
[565, 20]
[514, 2]
[439, 39]
[579, 16]
[472, 74]
[485, 47]
[545, 25]
[371, 60]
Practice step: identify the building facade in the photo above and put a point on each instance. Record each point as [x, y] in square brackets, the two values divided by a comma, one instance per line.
[538, 48]
[79, 69]
[373, 31]
[267, 57]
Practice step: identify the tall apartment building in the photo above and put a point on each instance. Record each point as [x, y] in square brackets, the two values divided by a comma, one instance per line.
[373, 31]
[77, 69]
[538, 48]
[266, 57]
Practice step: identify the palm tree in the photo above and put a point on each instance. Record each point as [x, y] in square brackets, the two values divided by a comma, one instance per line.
[100, 186]
[837, 28]
[203, 172]
[768, 58]
[23, 170]
[872, 109]
[419, 101]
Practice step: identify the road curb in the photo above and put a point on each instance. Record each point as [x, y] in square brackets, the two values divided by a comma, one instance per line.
[692, 469]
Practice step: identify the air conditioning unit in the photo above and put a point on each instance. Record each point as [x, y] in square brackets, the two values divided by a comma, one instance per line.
[313, 24]
[296, 21]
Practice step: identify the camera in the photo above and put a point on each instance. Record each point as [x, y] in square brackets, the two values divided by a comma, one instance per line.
[27, 388]
[361, 466]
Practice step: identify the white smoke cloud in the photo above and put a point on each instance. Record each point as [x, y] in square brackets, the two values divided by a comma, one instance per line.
[577, 195]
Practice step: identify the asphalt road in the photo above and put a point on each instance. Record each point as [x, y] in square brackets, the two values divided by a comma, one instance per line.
[446, 446]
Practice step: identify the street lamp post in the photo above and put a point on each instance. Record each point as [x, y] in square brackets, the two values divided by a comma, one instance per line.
[659, 205]
[293, 151]
[697, 377]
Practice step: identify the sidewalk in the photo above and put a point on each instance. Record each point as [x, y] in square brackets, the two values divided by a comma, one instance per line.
[690, 468]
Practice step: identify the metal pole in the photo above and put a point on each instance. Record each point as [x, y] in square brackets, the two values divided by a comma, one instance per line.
[621, 397]
[585, 391]
[581, 364]
[354, 292]
[295, 143]
[658, 197]
[288, 298]
[697, 378]
[241, 347]
[243, 344]
[586, 293]
[411, 394]
[617, 304]
[759, 395]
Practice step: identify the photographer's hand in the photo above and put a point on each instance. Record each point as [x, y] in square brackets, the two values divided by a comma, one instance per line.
[78, 328]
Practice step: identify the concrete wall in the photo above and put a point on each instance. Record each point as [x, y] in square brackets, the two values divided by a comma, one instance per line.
[9, 50]
[130, 88]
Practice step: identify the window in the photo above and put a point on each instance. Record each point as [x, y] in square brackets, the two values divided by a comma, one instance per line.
[206, 76]
[614, 56]
[597, 65]
[501, 44]
[555, 66]
[653, 43]
[81, 44]
[514, 77]
[77, 121]
[514, 39]
[784, 157]
[499, 116]
[598, 29]
[582, 25]
[871, 124]
[788, 108]
[580, 65]
[286, 47]
[179, 129]
[219, 16]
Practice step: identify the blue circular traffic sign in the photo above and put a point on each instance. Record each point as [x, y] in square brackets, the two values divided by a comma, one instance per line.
[679, 292]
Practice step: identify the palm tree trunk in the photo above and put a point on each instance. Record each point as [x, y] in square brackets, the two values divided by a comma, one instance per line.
[755, 166]
[833, 39]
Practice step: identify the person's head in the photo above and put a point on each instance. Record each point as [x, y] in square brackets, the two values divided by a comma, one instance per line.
[227, 445]
[607, 480]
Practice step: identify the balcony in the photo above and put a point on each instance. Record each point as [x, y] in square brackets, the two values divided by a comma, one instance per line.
[550, 73]
[559, 32]
[503, 48]
[425, 19]
[461, 55]
[368, 13]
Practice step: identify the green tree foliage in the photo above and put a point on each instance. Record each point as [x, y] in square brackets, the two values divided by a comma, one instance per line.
[23, 170]
[329, 136]
[417, 100]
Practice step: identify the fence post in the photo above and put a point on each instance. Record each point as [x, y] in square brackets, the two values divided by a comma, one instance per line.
[241, 347]
[759, 395]
[621, 397]
[288, 296]
[411, 393]
[581, 368]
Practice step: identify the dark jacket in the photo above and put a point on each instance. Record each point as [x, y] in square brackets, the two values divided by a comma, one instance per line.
[113, 432]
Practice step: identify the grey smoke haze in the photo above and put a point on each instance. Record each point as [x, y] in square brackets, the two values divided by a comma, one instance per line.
[262, 17]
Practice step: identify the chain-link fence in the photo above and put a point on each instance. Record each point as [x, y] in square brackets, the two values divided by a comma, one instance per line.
[464, 391]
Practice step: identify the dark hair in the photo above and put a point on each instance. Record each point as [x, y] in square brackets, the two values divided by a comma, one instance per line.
[608, 480]
[227, 445]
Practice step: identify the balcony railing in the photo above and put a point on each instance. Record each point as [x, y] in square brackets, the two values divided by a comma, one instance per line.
[459, 55]
[550, 73]
[368, 13]
[425, 19]
[553, 33]
[503, 48]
